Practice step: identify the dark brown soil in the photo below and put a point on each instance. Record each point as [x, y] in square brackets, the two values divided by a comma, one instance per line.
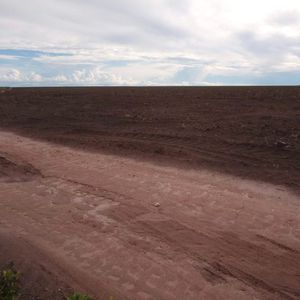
[252, 132]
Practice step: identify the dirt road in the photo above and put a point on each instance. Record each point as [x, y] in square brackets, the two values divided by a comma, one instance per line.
[137, 230]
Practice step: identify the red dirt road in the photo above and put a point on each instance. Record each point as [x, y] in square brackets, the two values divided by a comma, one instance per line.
[163, 193]
[213, 235]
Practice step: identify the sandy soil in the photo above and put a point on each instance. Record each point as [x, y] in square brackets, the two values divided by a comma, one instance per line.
[161, 226]
[94, 215]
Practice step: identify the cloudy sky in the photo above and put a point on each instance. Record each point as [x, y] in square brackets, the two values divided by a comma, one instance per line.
[149, 42]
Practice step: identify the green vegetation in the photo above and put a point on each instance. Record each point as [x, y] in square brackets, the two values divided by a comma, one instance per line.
[9, 284]
[77, 296]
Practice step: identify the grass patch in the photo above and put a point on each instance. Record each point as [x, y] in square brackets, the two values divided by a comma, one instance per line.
[77, 296]
[9, 284]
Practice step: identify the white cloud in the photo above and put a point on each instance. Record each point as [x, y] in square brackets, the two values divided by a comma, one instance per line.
[7, 57]
[14, 75]
[153, 41]
[60, 78]
[10, 75]
[93, 76]
[97, 76]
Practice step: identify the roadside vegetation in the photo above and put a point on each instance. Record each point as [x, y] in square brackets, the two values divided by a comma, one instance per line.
[77, 296]
[10, 288]
[9, 284]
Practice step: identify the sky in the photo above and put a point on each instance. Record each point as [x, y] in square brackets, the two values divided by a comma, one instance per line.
[149, 42]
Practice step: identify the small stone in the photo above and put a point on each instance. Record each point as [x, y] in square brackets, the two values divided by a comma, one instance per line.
[157, 204]
[281, 144]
